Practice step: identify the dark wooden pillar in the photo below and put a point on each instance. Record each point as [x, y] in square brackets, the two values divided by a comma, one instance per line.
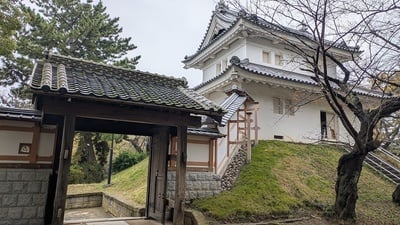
[63, 169]
[181, 157]
[157, 178]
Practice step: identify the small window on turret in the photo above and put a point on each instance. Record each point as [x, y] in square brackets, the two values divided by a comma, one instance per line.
[224, 64]
[278, 60]
[218, 68]
[266, 57]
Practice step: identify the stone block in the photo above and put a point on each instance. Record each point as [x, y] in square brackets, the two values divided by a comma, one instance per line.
[19, 187]
[42, 175]
[40, 211]
[28, 175]
[24, 200]
[14, 175]
[201, 176]
[171, 176]
[193, 194]
[216, 177]
[15, 213]
[3, 213]
[36, 222]
[189, 185]
[201, 194]
[191, 177]
[34, 187]
[205, 185]
[21, 222]
[171, 185]
[9, 200]
[214, 186]
[45, 187]
[6, 222]
[3, 175]
[216, 192]
[39, 199]
[5, 187]
[208, 194]
[197, 185]
[29, 212]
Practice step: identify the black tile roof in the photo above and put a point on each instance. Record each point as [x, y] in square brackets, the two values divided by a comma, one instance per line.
[20, 114]
[231, 104]
[62, 75]
[280, 74]
[205, 132]
[233, 17]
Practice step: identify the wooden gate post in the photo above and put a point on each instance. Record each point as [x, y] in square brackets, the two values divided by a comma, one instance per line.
[248, 136]
[63, 169]
[181, 156]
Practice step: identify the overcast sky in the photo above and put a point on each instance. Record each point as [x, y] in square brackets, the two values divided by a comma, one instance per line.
[164, 31]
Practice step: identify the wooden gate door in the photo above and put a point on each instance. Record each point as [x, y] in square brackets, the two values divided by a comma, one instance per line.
[157, 180]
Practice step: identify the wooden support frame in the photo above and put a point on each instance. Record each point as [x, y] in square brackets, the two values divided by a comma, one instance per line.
[63, 169]
[248, 136]
[119, 113]
[179, 205]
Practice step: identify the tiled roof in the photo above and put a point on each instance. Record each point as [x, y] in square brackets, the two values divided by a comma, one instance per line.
[231, 104]
[209, 127]
[290, 76]
[20, 114]
[83, 79]
[232, 17]
[204, 132]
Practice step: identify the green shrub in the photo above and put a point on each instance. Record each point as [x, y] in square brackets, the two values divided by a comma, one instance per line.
[76, 174]
[126, 159]
[85, 173]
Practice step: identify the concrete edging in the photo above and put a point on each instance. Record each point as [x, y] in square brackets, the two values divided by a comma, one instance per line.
[109, 203]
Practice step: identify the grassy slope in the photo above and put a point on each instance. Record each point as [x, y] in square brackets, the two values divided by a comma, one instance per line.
[286, 178]
[129, 184]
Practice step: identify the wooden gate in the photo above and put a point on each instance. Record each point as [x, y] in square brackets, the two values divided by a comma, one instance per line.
[157, 182]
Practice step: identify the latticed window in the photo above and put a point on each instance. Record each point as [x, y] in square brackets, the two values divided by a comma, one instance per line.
[218, 71]
[266, 57]
[289, 107]
[277, 105]
[281, 106]
[278, 59]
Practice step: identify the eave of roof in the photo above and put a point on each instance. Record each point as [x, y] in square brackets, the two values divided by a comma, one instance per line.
[231, 104]
[21, 114]
[205, 132]
[282, 75]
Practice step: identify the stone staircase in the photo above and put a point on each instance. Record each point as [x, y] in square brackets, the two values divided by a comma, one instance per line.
[389, 170]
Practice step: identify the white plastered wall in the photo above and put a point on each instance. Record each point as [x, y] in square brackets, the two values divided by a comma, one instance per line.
[11, 137]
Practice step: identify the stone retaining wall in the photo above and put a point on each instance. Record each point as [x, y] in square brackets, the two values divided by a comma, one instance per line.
[110, 204]
[119, 208]
[23, 194]
[85, 200]
[198, 185]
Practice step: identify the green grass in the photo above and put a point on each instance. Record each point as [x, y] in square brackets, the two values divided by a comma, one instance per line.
[284, 179]
[129, 185]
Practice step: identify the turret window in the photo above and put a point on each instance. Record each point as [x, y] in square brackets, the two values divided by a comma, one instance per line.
[266, 57]
[218, 69]
[278, 60]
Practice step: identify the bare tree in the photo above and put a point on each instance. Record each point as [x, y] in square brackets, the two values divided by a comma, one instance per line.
[372, 28]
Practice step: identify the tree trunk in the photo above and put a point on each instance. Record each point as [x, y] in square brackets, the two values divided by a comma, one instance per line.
[87, 138]
[396, 195]
[348, 172]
